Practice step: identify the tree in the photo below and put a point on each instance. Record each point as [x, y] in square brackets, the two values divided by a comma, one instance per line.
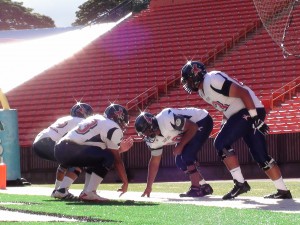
[14, 16]
[93, 9]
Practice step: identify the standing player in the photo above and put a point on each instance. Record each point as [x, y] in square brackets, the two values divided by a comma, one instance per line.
[188, 128]
[244, 115]
[45, 141]
[96, 143]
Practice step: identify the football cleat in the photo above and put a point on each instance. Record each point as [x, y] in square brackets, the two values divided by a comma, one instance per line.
[52, 194]
[64, 194]
[91, 197]
[206, 189]
[239, 188]
[281, 194]
[201, 191]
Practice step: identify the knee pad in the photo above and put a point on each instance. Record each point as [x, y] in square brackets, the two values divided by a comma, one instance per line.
[191, 170]
[226, 152]
[267, 164]
[100, 171]
[75, 170]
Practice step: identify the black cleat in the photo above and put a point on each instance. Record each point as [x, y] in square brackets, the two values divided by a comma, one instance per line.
[201, 191]
[281, 194]
[64, 194]
[239, 188]
[206, 189]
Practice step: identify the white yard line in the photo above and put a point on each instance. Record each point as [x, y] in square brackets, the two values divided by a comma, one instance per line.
[286, 206]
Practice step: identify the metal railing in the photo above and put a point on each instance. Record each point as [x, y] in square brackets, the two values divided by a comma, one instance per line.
[280, 93]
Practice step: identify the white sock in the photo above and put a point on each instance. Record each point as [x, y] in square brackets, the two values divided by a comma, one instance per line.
[66, 182]
[202, 182]
[236, 174]
[279, 184]
[95, 180]
[57, 184]
[86, 180]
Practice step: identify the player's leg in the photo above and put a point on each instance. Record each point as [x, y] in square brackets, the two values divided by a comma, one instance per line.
[236, 127]
[63, 191]
[258, 149]
[44, 148]
[101, 162]
[187, 161]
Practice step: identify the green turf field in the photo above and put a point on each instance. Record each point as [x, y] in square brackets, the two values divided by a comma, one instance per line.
[124, 212]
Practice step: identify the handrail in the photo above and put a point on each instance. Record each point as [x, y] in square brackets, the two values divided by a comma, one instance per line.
[283, 88]
[142, 98]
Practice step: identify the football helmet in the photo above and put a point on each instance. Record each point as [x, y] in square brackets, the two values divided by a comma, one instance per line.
[146, 125]
[81, 110]
[192, 74]
[119, 114]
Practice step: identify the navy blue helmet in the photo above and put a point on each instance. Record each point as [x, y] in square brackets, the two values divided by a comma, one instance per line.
[146, 125]
[192, 74]
[119, 114]
[81, 110]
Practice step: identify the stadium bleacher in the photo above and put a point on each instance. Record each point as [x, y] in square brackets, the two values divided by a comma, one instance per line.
[146, 49]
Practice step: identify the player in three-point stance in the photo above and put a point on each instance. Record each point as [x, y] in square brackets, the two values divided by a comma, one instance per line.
[45, 141]
[187, 129]
[244, 115]
[96, 144]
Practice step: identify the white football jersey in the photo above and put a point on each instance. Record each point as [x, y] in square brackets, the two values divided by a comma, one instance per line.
[211, 93]
[171, 123]
[98, 131]
[59, 128]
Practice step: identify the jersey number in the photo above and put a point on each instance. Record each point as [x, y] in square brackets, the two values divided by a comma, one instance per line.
[85, 128]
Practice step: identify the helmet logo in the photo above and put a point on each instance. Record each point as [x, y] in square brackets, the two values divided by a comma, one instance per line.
[119, 114]
[195, 70]
[148, 119]
[81, 110]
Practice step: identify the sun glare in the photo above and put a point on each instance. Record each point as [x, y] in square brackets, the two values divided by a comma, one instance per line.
[20, 61]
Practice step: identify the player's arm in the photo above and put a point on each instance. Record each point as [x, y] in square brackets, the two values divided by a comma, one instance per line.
[238, 91]
[153, 167]
[189, 130]
[120, 168]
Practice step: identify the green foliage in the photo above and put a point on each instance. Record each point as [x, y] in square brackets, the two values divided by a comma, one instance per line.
[14, 16]
[93, 9]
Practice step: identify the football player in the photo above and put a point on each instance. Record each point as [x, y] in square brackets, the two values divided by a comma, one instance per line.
[45, 141]
[96, 144]
[187, 129]
[243, 116]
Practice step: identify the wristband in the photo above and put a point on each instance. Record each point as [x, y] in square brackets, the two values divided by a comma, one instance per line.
[252, 112]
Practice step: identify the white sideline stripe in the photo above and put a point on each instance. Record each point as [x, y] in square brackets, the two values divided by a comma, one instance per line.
[283, 206]
[18, 216]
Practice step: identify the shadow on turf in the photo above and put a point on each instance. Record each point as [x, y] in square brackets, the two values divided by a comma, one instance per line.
[111, 202]
[288, 205]
[79, 218]
[279, 205]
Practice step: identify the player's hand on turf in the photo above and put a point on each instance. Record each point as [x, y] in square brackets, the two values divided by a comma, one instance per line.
[147, 192]
[258, 124]
[123, 189]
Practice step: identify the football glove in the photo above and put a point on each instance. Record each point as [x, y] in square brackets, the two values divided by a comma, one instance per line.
[258, 124]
